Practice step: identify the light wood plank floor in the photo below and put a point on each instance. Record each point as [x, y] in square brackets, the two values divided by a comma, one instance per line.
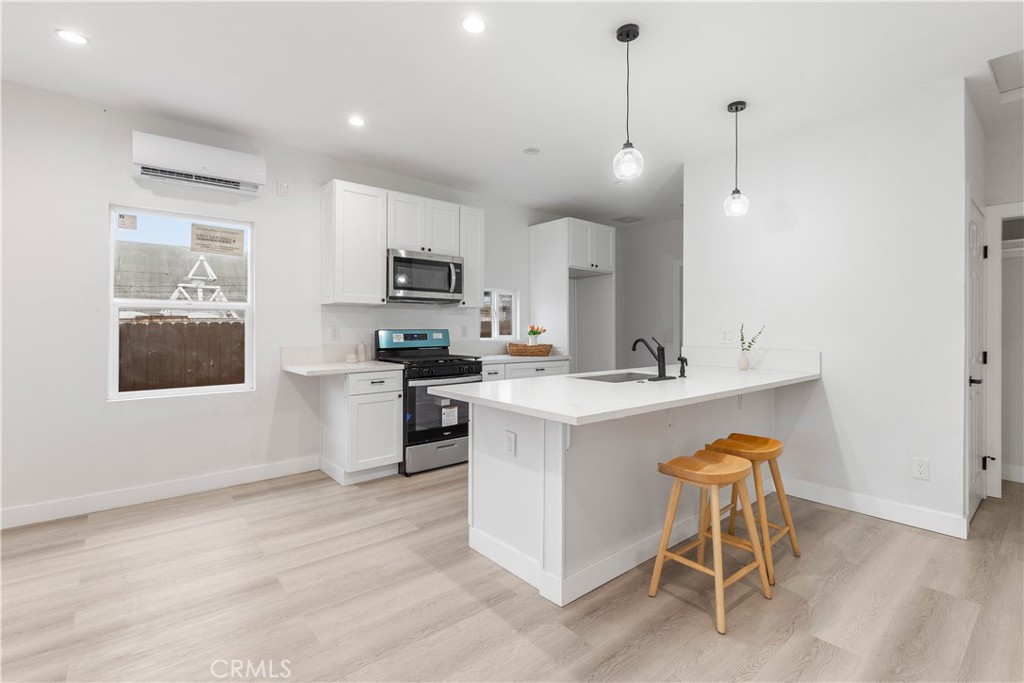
[375, 582]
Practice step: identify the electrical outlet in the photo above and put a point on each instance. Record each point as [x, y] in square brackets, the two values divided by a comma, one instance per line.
[510, 444]
[922, 468]
[334, 333]
[465, 331]
[728, 336]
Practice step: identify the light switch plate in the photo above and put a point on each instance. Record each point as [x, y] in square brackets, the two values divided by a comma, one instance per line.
[728, 336]
[510, 444]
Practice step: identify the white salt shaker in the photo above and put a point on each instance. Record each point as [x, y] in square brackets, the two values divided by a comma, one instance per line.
[361, 351]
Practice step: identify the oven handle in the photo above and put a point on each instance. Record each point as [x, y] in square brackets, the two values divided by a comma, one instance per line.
[465, 379]
[451, 290]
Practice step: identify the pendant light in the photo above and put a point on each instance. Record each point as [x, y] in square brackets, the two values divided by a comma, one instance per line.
[736, 204]
[629, 162]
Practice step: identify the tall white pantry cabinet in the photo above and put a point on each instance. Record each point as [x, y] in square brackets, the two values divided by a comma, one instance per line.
[572, 290]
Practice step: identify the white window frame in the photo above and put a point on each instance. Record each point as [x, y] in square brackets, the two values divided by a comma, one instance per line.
[246, 309]
[494, 313]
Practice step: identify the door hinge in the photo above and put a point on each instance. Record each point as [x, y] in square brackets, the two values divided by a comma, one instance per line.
[984, 251]
[984, 357]
[984, 461]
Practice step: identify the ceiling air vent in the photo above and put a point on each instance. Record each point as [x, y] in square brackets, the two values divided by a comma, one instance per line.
[626, 220]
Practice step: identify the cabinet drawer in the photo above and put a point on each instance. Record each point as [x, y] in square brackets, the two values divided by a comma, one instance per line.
[374, 382]
[538, 369]
[492, 373]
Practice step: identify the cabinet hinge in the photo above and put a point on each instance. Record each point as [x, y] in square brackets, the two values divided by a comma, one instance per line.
[984, 357]
[984, 251]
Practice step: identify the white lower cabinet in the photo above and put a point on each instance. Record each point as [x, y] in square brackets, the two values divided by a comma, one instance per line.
[493, 372]
[536, 369]
[361, 418]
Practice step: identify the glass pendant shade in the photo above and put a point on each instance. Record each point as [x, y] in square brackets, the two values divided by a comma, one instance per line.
[628, 163]
[736, 204]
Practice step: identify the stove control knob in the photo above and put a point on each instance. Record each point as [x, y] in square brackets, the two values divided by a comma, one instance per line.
[427, 372]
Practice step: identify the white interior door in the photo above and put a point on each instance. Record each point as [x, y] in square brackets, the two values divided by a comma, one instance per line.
[975, 346]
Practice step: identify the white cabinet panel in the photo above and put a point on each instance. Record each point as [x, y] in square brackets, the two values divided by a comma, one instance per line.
[471, 249]
[354, 229]
[374, 382]
[407, 222]
[494, 372]
[538, 369]
[442, 228]
[602, 247]
[374, 430]
[579, 244]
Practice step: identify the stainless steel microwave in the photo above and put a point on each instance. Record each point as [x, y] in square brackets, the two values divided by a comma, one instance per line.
[424, 278]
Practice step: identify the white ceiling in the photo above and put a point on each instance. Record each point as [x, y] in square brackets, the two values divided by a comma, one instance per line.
[458, 109]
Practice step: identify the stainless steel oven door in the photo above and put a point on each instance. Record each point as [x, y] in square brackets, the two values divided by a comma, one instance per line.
[432, 278]
[430, 418]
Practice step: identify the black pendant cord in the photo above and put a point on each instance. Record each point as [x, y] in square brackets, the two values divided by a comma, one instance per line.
[736, 147]
[627, 92]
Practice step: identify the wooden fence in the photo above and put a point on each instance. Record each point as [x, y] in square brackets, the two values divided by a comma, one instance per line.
[180, 353]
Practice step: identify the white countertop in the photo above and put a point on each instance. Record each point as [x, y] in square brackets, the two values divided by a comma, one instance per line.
[575, 401]
[339, 368]
[505, 358]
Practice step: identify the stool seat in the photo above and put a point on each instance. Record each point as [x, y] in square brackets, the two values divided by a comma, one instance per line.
[750, 447]
[707, 467]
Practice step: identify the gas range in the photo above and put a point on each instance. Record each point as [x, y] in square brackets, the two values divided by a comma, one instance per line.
[436, 429]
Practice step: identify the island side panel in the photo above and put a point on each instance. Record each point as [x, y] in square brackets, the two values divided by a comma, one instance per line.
[506, 491]
[614, 496]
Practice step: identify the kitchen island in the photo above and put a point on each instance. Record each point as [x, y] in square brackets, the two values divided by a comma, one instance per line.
[564, 490]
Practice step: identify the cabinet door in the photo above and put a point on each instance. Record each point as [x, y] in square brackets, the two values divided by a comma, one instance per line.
[579, 244]
[354, 246]
[602, 247]
[407, 222]
[375, 430]
[442, 227]
[471, 249]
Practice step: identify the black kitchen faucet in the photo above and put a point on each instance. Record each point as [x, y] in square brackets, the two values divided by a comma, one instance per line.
[658, 356]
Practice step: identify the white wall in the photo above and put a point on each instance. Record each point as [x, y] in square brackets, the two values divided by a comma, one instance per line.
[65, 447]
[1013, 366]
[647, 290]
[854, 245]
[1004, 164]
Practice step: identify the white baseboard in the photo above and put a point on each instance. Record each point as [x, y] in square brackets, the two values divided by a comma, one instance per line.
[69, 507]
[347, 478]
[1013, 473]
[505, 556]
[911, 515]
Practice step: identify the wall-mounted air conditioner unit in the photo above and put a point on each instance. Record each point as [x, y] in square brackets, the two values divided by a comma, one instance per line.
[189, 163]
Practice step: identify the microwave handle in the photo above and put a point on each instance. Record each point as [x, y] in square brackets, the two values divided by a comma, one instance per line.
[451, 289]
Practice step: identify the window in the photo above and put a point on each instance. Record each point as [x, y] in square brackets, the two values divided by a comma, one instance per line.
[499, 316]
[181, 306]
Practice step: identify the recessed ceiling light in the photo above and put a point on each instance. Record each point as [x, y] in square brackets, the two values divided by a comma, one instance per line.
[531, 151]
[474, 24]
[71, 36]
[356, 121]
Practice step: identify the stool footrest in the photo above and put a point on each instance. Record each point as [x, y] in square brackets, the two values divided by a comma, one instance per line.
[733, 578]
[689, 563]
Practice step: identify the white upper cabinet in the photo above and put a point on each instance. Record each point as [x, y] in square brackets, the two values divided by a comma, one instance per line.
[442, 227]
[591, 246]
[471, 249]
[407, 222]
[354, 247]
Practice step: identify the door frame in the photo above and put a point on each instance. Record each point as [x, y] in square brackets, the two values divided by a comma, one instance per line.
[994, 217]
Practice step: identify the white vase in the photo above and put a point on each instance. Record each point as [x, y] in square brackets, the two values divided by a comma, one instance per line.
[531, 339]
[744, 362]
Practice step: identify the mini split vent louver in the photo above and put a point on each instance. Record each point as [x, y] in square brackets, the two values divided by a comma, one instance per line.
[189, 163]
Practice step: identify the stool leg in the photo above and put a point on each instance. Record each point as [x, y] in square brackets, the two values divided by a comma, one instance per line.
[703, 523]
[666, 532]
[780, 491]
[732, 510]
[716, 547]
[748, 517]
[762, 510]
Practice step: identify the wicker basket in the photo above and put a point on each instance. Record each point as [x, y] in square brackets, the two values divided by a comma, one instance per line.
[528, 349]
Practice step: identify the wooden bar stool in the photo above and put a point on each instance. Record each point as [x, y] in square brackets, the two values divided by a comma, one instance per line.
[710, 471]
[758, 449]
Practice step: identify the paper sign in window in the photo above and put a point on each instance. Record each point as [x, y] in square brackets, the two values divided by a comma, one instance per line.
[449, 416]
[210, 239]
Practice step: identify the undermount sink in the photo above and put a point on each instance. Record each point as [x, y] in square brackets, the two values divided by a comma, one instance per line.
[620, 377]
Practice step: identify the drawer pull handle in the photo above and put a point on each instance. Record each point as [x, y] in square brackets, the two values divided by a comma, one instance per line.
[492, 372]
[377, 381]
[539, 369]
